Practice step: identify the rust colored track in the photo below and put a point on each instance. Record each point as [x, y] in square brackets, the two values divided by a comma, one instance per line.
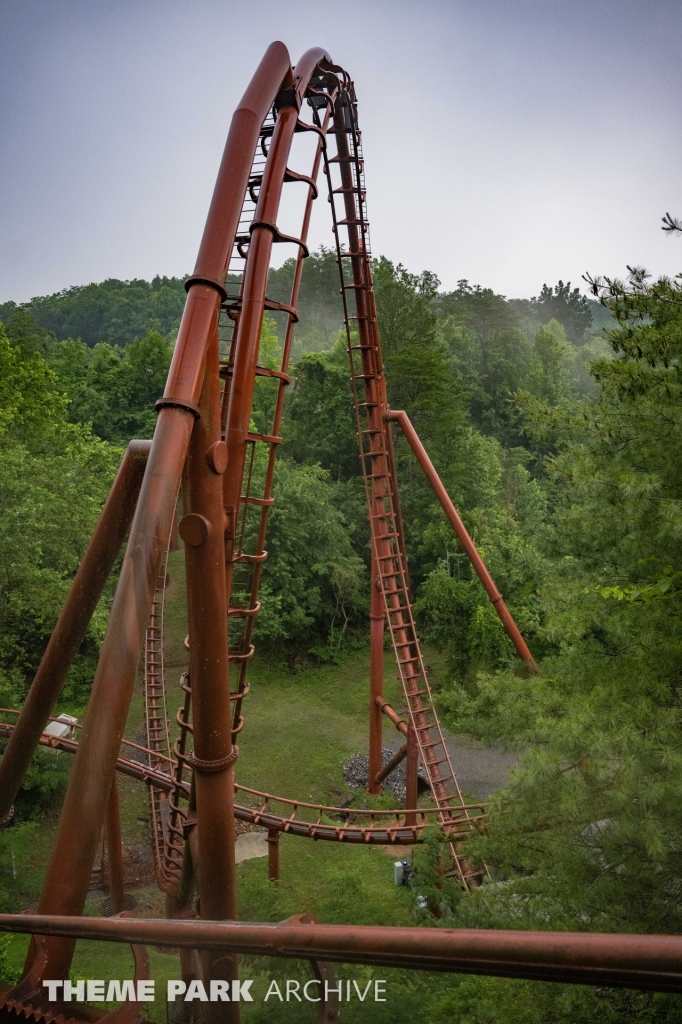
[295, 817]
[389, 562]
[205, 441]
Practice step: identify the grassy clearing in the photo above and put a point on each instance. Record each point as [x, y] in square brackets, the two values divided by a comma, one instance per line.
[300, 726]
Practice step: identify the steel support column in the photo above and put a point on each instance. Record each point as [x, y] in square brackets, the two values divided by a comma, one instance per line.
[115, 852]
[376, 679]
[203, 529]
[83, 812]
[273, 855]
[411, 765]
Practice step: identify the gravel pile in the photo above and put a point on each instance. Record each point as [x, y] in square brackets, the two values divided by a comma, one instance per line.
[356, 768]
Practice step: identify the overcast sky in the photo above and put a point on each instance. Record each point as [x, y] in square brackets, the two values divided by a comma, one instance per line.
[510, 142]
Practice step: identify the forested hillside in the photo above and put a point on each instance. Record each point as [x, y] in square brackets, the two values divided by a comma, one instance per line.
[554, 423]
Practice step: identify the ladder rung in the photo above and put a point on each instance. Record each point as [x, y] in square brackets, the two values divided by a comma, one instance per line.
[471, 874]
[424, 728]
[268, 438]
[264, 502]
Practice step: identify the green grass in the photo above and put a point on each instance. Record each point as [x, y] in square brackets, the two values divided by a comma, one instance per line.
[300, 726]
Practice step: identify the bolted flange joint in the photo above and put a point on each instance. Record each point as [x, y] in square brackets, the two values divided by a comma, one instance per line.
[194, 529]
[216, 457]
[213, 766]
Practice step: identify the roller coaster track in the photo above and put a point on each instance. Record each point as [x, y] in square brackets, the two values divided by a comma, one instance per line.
[156, 719]
[206, 439]
[357, 825]
[377, 460]
[333, 108]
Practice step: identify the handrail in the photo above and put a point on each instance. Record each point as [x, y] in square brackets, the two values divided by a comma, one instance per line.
[579, 958]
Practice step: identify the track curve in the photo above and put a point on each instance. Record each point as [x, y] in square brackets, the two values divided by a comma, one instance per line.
[331, 124]
[382, 828]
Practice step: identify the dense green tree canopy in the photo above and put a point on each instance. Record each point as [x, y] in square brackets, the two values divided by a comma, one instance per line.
[54, 476]
[114, 389]
[591, 827]
[560, 447]
[115, 312]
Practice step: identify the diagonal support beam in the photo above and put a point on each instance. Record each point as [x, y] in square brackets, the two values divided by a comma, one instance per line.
[496, 599]
[86, 590]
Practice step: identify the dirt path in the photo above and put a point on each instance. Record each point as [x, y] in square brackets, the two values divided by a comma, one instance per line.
[480, 770]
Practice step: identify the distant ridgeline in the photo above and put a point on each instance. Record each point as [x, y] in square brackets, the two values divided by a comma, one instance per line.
[117, 312]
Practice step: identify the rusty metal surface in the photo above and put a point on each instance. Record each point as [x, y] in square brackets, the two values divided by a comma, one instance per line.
[496, 599]
[243, 497]
[68, 874]
[386, 709]
[84, 807]
[273, 854]
[283, 814]
[629, 961]
[213, 754]
[203, 436]
[397, 759]
[377, 459]
[411, 783]
[376, 678]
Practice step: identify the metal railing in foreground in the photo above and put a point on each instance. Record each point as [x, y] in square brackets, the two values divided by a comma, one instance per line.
[581, 958]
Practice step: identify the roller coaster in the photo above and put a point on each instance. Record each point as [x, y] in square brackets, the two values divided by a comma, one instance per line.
[205, 446]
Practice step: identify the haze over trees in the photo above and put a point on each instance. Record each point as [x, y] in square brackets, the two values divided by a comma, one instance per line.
[554, 423]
